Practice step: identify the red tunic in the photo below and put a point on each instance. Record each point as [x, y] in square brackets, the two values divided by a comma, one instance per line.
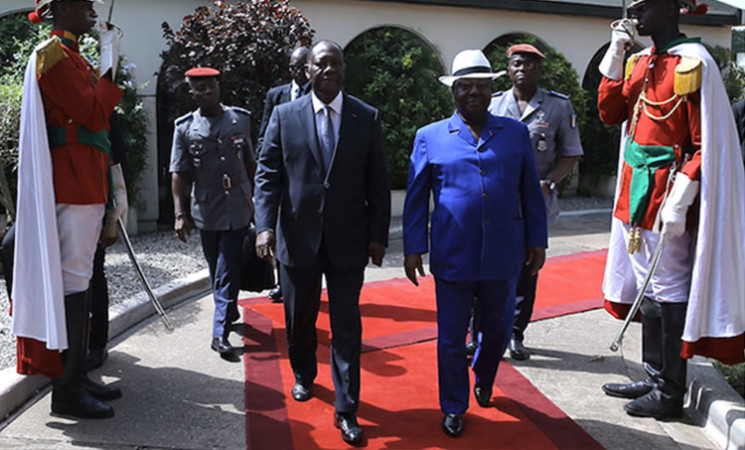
[681, 130]
[74, 96]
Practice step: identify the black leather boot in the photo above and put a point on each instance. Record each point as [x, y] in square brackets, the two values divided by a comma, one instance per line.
[69, 396]
[99, 391]
[666, 400]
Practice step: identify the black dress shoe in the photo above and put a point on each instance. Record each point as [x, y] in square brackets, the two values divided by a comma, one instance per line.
[101, 391]
[301, 393]
[656, 404]
[452, 425]
[351, 431]
[482, 394]
[75, 401]
[471, 348]
[631, 390]
[276, 294]
[518, 351]
[95, 358]
[222, 346]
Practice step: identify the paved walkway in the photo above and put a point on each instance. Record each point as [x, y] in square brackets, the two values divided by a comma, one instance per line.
[179, 394]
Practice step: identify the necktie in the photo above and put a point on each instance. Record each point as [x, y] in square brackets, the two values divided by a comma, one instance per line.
[328, 141]
[296, 92]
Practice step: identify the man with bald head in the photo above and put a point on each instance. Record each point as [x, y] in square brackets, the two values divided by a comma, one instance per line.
[322, 181]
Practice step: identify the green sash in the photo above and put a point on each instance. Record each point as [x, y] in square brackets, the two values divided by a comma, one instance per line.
[644, 161]
[97, 139]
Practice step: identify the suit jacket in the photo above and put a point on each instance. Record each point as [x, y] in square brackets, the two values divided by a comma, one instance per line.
[275, 96]
[488, 203]
[346, 208]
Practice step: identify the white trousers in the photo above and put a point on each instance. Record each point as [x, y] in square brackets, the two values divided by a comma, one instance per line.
[79, 228]
[671, 280]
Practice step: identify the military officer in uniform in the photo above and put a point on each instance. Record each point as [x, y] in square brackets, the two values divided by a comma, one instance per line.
[212, 150]
[553, 132]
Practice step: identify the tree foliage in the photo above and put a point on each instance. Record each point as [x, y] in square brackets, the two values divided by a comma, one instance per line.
[733, 76]
[396, 72]
[249, 42]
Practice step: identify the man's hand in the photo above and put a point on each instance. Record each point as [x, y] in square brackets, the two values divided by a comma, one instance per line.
[121, 205]
[266, 245]
[109, 36]
[376, 252]
[676, 205]
[183, 226]
[535, 258]
[611, 65]
[412, 264]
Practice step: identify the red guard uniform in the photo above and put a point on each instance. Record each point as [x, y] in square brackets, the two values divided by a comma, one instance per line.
[77, 105]
[667, 124]
[664, 137]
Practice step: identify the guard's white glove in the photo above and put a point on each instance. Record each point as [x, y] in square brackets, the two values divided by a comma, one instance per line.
[109, 36]
[120, 193]
[676, 205]
[621, 39]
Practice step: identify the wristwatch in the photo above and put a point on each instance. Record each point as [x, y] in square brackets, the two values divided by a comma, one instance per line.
[551, 184]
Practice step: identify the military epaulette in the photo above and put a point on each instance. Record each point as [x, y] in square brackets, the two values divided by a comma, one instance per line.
[48, 54]
[497, 94]
[630, 64]
[241, 110]
[183, 118]
[689, 74]
[556, 94]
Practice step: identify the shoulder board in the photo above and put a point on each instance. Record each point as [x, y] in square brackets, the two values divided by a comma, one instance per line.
[630, 64]
[688, 75]
[48, 54]
[497, 94]
[183, 118]
[556, 94]
[241, 110]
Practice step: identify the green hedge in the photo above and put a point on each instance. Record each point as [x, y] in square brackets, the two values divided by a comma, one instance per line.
[395, 71]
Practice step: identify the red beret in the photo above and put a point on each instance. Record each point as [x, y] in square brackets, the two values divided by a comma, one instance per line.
[524, 48]
[197, 72]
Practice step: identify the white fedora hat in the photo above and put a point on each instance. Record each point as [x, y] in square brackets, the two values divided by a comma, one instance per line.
[470, 64]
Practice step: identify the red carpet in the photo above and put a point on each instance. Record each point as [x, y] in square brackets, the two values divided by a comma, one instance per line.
[399, 406]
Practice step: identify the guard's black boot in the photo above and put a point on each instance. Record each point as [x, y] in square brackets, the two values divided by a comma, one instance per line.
[666, 400]
[656, 404]
[631, 390]
[69, 396]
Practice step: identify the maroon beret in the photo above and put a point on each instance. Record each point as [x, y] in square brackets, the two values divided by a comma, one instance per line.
[524, 48]
[197, 72]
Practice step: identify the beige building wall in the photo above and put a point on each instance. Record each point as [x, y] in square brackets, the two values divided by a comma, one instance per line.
[448, 29]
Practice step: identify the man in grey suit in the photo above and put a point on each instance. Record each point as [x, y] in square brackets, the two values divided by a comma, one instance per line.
[323, 174]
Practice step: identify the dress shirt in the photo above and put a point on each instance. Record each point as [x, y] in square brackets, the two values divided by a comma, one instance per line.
[297, 91]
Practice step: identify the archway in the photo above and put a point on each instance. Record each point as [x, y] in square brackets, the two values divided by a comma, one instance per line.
[396, 71]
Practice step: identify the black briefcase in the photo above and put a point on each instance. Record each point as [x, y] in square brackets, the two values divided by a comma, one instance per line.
[256, 273]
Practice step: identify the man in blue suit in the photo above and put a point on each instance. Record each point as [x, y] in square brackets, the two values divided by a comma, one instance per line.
[488, 218]
[323, 174]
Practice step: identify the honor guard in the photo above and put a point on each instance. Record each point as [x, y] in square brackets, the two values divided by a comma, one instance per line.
[552, 124]
[212, 152]
[679, 161]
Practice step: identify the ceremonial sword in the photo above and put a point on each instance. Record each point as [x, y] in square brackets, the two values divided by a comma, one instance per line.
[153, 299]
[639, 297]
